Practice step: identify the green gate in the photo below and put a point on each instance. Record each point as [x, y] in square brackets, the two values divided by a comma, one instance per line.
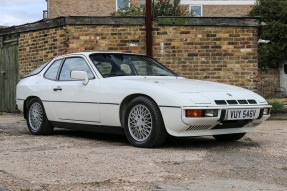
[8, 77]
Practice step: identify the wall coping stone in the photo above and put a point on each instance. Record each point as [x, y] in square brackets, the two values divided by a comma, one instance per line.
[211, 21]
[132, 20]
[74, 20]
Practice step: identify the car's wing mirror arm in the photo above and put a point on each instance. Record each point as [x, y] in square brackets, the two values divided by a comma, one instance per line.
[80, 75]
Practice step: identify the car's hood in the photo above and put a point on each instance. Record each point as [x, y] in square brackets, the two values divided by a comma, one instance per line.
[183, 85]
[200, 91]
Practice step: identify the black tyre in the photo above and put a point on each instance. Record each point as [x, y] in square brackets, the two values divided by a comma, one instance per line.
[143, 123]
[37, 121]
[229, 137]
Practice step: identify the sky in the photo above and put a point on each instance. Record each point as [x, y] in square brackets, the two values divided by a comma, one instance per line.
[17, 12]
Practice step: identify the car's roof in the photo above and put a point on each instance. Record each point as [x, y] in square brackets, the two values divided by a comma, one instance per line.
[89, 53]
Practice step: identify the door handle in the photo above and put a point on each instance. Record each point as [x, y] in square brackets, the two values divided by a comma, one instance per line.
[57, 89]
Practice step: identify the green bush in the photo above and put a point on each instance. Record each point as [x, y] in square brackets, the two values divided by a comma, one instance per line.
[274, 13]
[129, 10]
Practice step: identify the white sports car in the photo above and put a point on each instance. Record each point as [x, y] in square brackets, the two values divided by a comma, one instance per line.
[135, 95]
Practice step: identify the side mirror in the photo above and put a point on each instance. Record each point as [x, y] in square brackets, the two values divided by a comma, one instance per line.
[80, 75]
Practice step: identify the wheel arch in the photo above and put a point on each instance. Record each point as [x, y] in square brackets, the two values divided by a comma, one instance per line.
[125, 102]
[26, 103]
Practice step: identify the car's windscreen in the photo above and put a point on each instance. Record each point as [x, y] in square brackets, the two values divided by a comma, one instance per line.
[110, 65]
[38, 70]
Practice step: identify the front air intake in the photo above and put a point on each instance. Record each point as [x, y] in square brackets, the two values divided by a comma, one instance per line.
[199, 127]
[235, 102]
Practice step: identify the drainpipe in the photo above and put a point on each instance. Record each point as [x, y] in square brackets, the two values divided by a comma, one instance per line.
[148, 22]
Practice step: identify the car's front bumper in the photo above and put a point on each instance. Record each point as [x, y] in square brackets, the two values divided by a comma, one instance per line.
[178, 125]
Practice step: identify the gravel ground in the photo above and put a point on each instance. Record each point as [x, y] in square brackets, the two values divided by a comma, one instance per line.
[73, 160]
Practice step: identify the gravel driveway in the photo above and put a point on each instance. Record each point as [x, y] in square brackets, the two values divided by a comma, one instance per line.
[73, 160]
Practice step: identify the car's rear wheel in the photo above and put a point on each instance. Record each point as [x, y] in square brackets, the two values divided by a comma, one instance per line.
[229, 137]
[143, 123]
[37, 121]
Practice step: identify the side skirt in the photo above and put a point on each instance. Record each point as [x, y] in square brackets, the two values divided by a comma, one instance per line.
[91, 128]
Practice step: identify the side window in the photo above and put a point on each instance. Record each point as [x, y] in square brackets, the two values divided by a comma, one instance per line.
[53, 70]
[105, 68]
[71, 64]
[196, 10]
[122, 3]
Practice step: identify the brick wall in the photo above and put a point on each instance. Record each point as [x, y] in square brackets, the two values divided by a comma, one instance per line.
[110, 38]
[36, 48]
[59, 8]
[268, 81]
[222, 54]
[226, 10]
[225, 54]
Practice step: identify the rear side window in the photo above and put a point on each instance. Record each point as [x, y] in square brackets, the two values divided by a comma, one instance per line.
[53, 70]
[71, 64]
[38, 70]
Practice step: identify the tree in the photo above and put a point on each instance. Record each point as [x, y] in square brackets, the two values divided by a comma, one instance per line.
[274, 13]
[161, 8]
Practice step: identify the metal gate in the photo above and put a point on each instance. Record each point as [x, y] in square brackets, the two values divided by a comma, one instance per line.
[8, 77]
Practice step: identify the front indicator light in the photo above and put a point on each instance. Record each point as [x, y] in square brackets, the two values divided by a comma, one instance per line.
[201, 113]
[194, 113]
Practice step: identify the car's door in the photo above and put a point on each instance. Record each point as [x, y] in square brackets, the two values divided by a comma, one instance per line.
[72, 101]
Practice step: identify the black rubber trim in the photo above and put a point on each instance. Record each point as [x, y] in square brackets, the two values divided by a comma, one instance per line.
[92, 128]
[261, 113]
[232, 124]
[109, 103]
[102, 103]
[222, 115]
[169, 106]
[80, 120]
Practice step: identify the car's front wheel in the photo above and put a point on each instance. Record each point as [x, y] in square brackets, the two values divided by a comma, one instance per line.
[37, 121]
[229, 137]
[143, 123]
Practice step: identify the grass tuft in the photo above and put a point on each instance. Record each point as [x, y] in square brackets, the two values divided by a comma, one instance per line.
[277, 107]
[279, 119]
[284, 168]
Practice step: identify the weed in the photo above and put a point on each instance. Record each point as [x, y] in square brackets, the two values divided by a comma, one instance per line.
[279, 119]
[97, 183]
[277, 107]
[266, 96]
[43, 186]
[3, 171]
[1, 113]
[284, 168]
[26, 190]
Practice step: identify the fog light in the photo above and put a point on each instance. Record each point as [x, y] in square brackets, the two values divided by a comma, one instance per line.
[266, 111]
[194, 113]
[211, 113]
